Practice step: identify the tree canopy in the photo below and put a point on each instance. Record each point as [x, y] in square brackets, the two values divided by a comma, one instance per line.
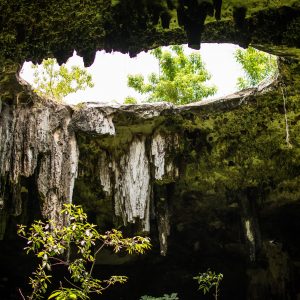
[56, 81]
[181, 79]
[257, 66]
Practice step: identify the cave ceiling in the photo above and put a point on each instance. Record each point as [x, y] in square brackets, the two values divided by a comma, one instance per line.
[35, 29]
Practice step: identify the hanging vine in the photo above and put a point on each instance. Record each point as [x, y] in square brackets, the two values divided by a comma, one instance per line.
[287, 136]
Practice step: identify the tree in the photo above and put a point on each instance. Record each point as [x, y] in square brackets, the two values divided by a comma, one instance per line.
[257, 66]
[51, 244]
[56, 81]
[181, 78]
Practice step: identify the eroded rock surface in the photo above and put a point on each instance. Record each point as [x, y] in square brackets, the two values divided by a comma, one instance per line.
[215, 184]
[205, 179]
[36, 141]
[31, 31]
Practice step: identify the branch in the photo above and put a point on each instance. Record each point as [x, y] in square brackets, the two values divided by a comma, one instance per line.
[60, 261]
[21, 294]
[100, 290]
[93, 264]
[74, 285]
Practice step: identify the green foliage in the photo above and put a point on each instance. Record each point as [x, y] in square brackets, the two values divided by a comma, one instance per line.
[51, 244]
[130, 100]
[56, 81]
[80, 105]
[172, 296]
[68, 293]
[208, 280]
[181, 78]
[257, 66]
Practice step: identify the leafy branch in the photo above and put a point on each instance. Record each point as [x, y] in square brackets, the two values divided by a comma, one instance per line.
[208, 280]
[51, 243]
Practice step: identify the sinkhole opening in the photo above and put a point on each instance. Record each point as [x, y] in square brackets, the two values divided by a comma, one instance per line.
[175, 74]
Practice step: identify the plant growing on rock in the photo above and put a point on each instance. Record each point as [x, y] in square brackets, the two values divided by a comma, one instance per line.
[56, 81]
[181, 79]
[208, 280]
[130, 100]
[52, 244]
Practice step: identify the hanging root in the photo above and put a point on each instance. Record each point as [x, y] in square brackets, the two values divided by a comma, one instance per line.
[287, 137]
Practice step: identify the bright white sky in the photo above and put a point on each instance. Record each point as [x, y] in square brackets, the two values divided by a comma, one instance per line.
[110, 71]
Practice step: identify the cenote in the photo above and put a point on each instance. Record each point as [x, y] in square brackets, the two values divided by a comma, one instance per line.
[214, 184]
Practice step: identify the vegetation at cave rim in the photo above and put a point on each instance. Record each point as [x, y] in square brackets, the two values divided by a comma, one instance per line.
[56, 82]
[52, 244]
[181, 79]
[257, 66]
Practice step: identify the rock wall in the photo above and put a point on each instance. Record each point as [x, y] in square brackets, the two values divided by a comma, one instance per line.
[215, 184]
[210, 179]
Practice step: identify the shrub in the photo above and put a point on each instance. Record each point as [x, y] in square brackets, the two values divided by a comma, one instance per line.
[208, 280]
[51, 244]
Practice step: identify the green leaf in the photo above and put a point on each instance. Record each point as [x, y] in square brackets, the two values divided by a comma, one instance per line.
[54, 294]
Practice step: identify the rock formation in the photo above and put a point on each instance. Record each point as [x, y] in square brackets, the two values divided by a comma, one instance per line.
[33, 30]
[215, 183]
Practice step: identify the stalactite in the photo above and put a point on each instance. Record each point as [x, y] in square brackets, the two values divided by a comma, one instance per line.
[161, 148]
[162, 216]
[164, 232]
[57, 172]
[6, 124]
[37, 140]
[158, 152]
[128, 178]
[105, 171]
[250, 225]
[249, 234]
[132, 184]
